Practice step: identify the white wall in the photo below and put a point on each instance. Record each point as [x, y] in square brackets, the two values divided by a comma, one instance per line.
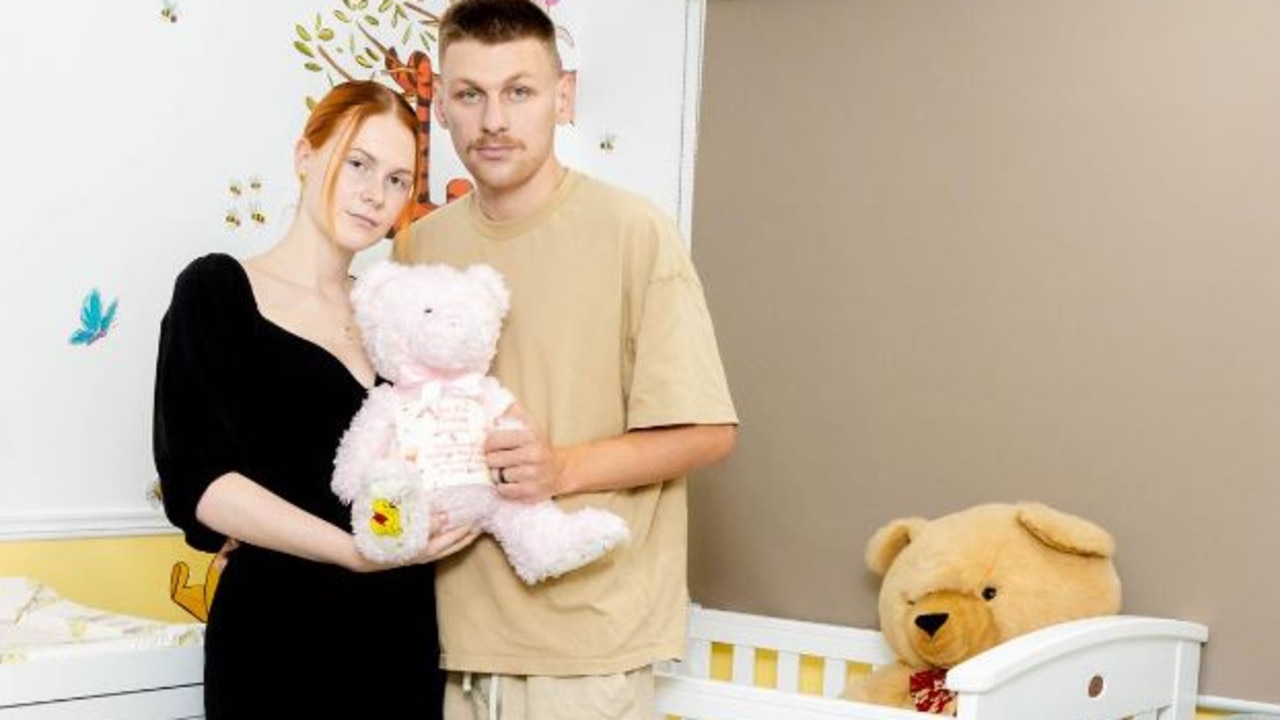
[124, 134]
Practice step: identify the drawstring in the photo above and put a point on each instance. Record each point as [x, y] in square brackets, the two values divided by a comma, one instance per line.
[495, 699]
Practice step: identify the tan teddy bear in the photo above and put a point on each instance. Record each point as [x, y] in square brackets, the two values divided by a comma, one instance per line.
[965, 582]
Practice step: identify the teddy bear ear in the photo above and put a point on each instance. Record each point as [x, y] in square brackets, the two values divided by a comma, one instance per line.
[491, 280]
[1064, 532]
[372, 279]
[889, 541]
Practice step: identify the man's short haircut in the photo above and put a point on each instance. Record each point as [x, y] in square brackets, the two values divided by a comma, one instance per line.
[492, 22]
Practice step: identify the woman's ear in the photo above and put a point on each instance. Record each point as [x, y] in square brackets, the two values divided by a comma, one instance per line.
[303, 156]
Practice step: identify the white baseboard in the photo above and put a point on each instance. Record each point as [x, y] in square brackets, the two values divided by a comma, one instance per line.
[83, 524]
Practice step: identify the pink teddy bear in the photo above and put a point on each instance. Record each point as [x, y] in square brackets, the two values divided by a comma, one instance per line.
[416, 444]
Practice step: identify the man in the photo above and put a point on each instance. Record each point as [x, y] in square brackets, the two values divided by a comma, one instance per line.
[611, 352]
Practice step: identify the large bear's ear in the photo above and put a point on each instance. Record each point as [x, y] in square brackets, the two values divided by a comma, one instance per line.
[884, 547]
[372, 279]
[493, 284]
[1065, 533]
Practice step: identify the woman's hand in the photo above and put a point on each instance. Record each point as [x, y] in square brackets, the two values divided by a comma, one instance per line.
[442, 542]
[220, 560]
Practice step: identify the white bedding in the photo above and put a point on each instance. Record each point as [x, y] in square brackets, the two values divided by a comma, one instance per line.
[36, 622]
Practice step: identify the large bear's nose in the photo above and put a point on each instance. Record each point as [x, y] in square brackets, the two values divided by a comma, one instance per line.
[931, 622]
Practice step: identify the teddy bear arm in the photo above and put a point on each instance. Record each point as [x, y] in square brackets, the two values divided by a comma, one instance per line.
[368, 441]
[887, 685]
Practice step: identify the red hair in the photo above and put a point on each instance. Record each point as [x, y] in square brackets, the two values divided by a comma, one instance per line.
[341, 113]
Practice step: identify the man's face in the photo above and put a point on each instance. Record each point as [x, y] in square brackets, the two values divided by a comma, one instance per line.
[501, 104]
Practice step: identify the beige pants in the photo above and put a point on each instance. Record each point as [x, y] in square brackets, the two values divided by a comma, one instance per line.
[627, 696]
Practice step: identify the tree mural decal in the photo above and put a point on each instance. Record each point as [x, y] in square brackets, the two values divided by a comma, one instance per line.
[389, 42]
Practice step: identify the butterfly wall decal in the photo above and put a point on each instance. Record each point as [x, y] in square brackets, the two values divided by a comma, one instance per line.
[94, 321]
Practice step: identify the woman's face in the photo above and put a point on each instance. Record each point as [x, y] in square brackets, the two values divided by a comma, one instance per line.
[374, 181]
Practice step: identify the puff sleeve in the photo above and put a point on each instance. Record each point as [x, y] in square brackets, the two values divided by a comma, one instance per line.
[193, 430]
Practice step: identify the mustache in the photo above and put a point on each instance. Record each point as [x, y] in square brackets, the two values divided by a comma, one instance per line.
[494, 141]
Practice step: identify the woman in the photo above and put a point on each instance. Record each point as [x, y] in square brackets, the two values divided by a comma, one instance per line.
[260, 370]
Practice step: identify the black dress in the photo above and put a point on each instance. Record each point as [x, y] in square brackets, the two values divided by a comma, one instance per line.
[287, 638]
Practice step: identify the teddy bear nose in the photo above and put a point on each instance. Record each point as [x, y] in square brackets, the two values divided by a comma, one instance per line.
[931, 622]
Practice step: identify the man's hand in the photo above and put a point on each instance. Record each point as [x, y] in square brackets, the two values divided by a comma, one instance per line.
[525, 465]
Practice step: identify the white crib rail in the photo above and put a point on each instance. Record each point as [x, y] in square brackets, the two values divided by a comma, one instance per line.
[685, 690]
[695, 699]
[1144, 668]
[1102, 667]
[834, 646]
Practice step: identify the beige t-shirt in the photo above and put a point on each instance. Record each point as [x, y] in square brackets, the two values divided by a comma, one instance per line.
[608, 331]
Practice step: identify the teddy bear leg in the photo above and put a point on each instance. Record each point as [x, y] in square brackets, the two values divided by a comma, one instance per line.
[542, 541]
[391, 520]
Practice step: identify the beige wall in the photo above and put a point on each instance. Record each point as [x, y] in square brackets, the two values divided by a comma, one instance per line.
[992, 250]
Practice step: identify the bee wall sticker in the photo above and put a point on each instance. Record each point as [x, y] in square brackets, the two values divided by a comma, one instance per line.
[95, 321]
[245, 203]
[154, 495]
[169, 11]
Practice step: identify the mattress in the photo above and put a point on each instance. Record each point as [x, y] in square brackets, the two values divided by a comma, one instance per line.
[36, 622]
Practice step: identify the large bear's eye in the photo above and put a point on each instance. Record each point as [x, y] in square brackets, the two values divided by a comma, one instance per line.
[426, 311]
[988, 593]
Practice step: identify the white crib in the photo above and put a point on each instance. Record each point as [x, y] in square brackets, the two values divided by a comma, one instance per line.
[60, 660]
[139, 684]
[1105, 668]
